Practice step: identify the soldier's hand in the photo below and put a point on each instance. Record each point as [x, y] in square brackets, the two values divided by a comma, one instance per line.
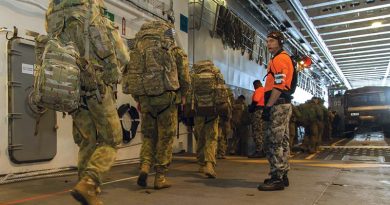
[266, 115]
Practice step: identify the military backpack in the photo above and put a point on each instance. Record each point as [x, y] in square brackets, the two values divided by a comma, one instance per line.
[57, 75]
[210, 94]
[153, 69]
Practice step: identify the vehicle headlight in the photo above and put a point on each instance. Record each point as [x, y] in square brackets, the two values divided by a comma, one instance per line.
[354, 114]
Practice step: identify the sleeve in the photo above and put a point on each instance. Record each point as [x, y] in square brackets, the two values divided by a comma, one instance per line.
[183, 70]
[281, 64]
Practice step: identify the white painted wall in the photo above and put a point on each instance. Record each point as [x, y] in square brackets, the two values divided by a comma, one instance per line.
[236, 68]
[28, 17]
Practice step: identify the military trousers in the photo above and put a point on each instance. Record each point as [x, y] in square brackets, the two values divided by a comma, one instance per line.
[258, 130]
[206, 133]
[276, 140]
[159, 126]
[224, 129]
[97, 131]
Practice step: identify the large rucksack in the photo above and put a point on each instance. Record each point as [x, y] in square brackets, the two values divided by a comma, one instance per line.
[57, 75]
[104, 41]
[210, 94]
[153, 68]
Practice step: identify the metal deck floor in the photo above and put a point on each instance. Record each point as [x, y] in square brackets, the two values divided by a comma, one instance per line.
[312, 182]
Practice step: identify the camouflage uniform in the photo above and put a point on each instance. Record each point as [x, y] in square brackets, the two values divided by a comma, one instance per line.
[160, 119]
[206, 133]
[277, 140]
[240, 127]
[97, 131]
[258, 130]
[309, 115]
[96, 125]
[159, 127]
[224, 129]
[292, 130]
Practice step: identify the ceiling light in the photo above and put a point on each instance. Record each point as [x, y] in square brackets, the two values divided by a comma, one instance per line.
[376, 24]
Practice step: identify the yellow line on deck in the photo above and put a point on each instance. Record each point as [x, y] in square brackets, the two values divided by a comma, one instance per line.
[311, 156]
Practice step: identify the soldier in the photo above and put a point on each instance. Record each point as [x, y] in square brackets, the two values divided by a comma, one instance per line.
[211, 101]
[277, 112]
[158, 95]
[224, 129]
[323, 117]
[257, 123]
[238, 125]
[309, 115]
[96, 126]
[292, 130]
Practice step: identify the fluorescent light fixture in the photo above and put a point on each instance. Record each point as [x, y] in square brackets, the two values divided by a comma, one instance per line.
[306, 47]
[293, 33]
[376, 24]
[315, 57]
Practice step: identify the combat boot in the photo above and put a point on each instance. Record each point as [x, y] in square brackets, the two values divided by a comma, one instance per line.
[209, 170]
[85, 192]
[271, 185]
[285, 180]
[143, 175]
[160, 182]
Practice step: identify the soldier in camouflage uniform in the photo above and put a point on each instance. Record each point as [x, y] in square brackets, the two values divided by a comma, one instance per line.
[276, 113]
[211, 100]
[96, 126]
[159, 124]
[224, 130]
[292, 130]
[239, 125]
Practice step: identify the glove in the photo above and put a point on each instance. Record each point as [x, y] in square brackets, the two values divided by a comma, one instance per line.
[266, 115]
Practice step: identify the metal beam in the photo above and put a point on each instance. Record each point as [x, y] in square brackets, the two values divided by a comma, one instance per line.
[364, 64]
[328, 3]
[360, 47]
[362, 56]
[386, 75]
[353, 21]
[364, 59]
[351, 11]
[357, 36]
[358, 42]
[379, 74]
[354, 29]
[358, 52]
[364, 69]
[310, 28]
[368, 62]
